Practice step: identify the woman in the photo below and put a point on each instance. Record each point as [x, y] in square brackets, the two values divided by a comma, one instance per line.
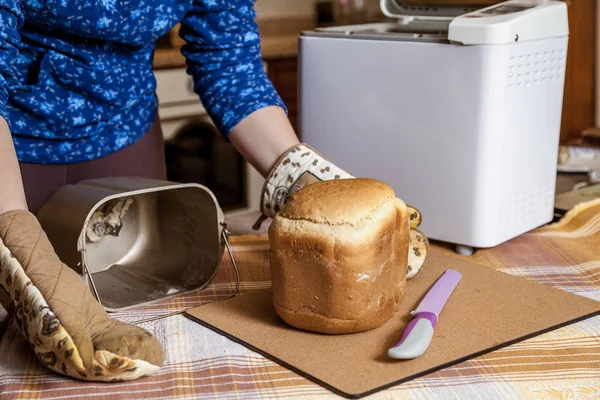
[77, 101]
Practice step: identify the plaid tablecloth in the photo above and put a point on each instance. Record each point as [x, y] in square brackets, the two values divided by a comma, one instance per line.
[562, 364]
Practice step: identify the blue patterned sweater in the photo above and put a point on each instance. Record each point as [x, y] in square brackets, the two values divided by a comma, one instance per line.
[76, 80]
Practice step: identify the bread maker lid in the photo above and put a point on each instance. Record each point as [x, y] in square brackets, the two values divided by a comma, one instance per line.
[431, 9]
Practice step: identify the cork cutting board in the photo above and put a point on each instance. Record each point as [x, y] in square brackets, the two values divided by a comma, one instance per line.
[488, 310]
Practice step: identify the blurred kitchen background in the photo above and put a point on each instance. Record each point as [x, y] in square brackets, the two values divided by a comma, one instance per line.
[195, 152]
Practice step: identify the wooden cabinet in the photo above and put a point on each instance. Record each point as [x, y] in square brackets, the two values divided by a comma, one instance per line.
[579, 95]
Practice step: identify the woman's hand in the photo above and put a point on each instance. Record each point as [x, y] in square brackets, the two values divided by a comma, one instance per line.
[67, 328]
[267, 140]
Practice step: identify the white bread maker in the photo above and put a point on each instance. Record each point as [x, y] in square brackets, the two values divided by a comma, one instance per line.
[457, 109]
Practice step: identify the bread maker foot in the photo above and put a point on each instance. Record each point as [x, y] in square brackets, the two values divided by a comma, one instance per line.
[464, 250]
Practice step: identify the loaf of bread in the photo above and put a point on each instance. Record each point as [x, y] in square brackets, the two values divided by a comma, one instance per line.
[339, 252]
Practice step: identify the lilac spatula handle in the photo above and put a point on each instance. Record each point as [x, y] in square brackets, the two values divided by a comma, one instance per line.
[418, 333]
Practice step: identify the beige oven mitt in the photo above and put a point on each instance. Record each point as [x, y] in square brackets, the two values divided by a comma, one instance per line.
[66, 327]
[300, 166]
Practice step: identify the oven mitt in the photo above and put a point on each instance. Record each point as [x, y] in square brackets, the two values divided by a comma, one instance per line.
[300, 166]
[68, 330]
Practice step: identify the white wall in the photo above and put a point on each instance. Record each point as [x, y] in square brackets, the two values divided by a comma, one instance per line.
[284, 8]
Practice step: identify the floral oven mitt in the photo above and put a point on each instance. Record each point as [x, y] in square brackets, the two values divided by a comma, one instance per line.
[300, 166]
[68, 330]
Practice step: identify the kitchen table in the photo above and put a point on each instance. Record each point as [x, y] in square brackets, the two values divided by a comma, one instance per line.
[200, 363]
